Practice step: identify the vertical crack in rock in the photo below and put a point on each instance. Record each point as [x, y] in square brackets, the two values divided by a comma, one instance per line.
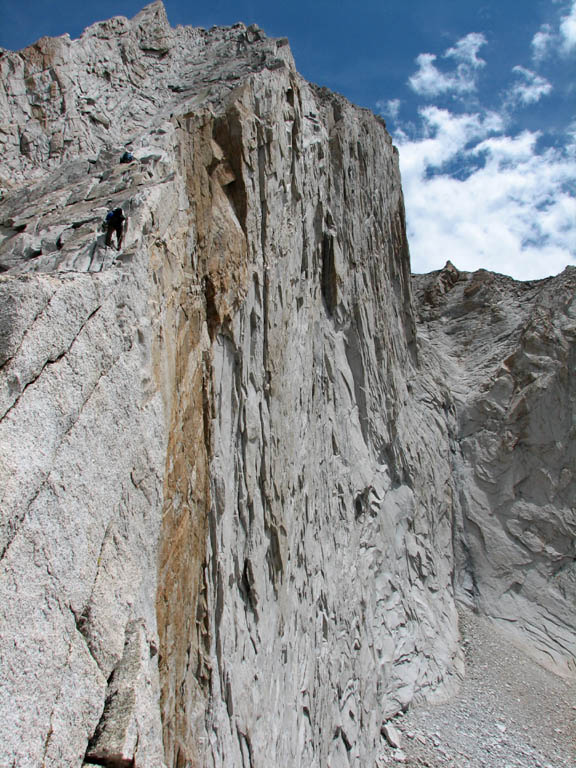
[182, 558]
[49, 362]
[215, 192]
[228, 134]
[116, 738]
[329, 278]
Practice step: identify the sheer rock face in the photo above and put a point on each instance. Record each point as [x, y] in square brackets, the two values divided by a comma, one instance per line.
[230, 468]
[508, 352]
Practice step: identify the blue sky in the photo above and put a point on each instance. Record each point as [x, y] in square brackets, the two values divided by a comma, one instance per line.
[479, 95]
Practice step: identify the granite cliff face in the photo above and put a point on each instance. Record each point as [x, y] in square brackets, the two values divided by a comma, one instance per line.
[507, 351]
[240, 487]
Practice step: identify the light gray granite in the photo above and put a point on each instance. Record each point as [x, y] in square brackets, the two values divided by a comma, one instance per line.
[240, 489]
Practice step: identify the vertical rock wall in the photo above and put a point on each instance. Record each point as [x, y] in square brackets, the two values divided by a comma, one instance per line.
[328, 571]
[305, 615]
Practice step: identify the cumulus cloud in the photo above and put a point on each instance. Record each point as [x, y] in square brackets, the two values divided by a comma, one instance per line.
[511, 212]
[443, 138]
[568, 30]
[478, 191]
[530, 87]
[389, 108]
[549, 40]
[430, 81]
[543, 43]
[466, 50]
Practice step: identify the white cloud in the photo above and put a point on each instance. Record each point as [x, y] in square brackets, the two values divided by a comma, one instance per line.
[530, 88]
[503, 150]
[466, 50]
[429, 81]
[476, 192]
[390, 108]
[444, 137]
[542, 43]
[511, 213]
[568, 30]
[561, 40]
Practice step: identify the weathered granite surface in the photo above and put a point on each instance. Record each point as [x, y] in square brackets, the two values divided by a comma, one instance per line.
[233, 492]
[508, 353]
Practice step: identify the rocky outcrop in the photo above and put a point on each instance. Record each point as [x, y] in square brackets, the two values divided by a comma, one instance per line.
[232, 481]
[508, 352]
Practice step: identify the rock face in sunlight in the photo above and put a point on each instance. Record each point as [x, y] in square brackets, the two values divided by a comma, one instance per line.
[241, 490]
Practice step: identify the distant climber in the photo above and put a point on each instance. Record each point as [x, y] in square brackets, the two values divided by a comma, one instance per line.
[127, 157]
[115, 224]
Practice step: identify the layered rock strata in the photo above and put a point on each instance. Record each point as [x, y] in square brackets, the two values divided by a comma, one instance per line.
[230, 465]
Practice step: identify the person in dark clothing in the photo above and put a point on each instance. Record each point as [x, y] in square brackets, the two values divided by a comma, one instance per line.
[115, 224]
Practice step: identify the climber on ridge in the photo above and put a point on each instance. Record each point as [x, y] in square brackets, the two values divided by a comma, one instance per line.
[115, 223]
